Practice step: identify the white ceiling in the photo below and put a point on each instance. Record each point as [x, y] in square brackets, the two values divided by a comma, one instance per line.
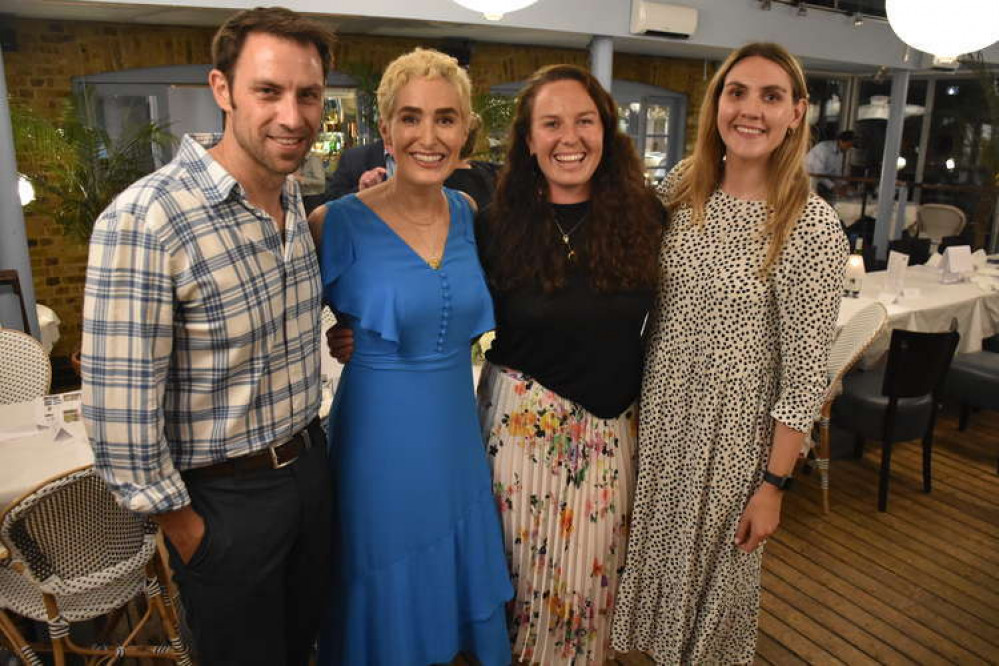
[167, 14]
[71, 10]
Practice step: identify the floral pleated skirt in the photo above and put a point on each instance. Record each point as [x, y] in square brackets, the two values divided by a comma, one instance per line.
[563, 479]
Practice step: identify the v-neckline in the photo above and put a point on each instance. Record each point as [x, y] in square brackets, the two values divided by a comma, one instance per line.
[410, 248]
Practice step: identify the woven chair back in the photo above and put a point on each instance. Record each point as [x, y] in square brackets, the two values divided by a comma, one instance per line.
[328, 318]
[939, 220]
[854, 338]
[73, 539]
[25, 370]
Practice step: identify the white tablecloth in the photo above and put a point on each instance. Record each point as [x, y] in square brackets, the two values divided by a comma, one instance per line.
[30, 456]
[929, 307]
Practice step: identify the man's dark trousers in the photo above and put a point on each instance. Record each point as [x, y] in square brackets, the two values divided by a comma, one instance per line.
[256, 588]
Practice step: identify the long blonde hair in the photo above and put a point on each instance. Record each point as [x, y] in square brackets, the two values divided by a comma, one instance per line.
[787, 181]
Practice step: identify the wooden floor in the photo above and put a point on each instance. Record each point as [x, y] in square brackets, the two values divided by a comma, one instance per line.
[916, 585]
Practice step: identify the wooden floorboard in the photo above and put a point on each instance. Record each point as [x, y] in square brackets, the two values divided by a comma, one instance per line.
[917, 584]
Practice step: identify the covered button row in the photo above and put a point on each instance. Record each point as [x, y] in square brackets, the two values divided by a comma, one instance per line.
[445, 309]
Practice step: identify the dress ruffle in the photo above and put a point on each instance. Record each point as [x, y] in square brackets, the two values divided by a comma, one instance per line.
[433, 603]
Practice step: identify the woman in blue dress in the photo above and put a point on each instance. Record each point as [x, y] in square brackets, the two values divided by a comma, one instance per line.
[419, 567]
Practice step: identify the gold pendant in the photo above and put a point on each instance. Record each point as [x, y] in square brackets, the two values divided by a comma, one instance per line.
[572, 255]
[565, 238]
[435, 262]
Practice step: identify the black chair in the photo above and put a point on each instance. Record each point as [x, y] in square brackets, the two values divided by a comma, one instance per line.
[974, 382]
[899, 402]
[918, 249]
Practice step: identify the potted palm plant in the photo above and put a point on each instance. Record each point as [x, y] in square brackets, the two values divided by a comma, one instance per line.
[78, 167]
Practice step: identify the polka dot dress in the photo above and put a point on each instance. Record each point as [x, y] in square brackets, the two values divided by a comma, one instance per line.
[728, 353]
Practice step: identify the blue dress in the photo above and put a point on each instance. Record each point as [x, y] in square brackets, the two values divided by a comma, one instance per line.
[418, 560]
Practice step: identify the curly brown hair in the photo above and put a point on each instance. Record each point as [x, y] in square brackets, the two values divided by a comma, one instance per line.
[625, 219]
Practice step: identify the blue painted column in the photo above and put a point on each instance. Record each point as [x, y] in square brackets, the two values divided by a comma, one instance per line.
[602, 60]
[889, 162]
[13, 238]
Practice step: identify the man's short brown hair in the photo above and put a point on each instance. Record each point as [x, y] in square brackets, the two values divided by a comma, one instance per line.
[278, 21]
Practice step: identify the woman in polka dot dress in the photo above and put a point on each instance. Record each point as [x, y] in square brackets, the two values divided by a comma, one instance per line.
[751, 275]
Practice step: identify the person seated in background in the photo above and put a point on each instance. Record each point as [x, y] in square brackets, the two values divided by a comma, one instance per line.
[829, 158]
[475, 178]
[311, 177]
[360, 167]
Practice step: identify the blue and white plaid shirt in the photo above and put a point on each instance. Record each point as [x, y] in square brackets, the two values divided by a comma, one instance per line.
[201, 328]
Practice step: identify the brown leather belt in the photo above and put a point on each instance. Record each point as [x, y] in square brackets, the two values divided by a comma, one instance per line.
[273, 457]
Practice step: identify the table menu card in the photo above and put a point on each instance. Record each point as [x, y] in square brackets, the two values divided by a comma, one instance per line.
[895, 281]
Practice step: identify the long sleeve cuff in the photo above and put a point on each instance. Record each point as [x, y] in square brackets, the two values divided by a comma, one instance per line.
[167, 494]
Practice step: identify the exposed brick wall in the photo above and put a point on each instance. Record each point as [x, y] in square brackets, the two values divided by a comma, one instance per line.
[39, 72]
[50, 53]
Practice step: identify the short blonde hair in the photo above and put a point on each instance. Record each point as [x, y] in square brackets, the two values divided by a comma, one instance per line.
[422, 63]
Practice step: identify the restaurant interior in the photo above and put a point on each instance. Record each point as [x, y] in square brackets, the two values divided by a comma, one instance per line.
[870, 565]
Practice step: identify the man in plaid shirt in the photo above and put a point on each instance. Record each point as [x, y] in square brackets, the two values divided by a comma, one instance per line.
[201, 352]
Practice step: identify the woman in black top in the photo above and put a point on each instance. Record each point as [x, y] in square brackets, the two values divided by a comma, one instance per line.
[570, 250]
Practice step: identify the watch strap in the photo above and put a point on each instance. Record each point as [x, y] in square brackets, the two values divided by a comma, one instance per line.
[782, 482]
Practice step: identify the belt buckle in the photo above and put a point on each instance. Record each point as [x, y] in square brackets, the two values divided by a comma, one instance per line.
[275, 461]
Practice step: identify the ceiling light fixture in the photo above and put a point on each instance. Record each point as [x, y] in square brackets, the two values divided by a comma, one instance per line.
[493, 10]
[858, 20]
[944, 29]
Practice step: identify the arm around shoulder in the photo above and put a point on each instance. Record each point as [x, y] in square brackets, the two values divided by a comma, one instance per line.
[316, 219]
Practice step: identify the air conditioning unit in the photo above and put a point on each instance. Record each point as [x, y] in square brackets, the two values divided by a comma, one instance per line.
[945, 63]
[654, 18]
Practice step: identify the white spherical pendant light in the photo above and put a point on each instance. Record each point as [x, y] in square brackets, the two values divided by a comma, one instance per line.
[945, 28]
[494, 10]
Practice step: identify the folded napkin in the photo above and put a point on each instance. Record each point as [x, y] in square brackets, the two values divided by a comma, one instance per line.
[935, 260]
[979, 259]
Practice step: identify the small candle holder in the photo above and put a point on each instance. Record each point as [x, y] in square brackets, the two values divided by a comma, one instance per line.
[854, 278]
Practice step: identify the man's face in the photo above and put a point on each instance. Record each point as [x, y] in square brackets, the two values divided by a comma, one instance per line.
[274, 104]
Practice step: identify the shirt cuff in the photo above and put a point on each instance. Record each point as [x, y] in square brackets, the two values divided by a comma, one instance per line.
[168, 494]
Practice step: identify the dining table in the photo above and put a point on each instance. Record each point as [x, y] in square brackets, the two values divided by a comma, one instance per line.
[928, 305]
[32, 452]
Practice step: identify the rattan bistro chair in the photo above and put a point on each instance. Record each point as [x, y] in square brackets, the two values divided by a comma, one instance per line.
[25, 369]
[73, 554]
[851, 342]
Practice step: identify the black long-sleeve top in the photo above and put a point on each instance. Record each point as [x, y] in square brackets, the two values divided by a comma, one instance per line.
[583, 344]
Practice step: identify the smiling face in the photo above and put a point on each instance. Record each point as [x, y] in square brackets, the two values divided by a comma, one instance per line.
[425, 131]
[755, 111]
[273, 106]
[567, 137]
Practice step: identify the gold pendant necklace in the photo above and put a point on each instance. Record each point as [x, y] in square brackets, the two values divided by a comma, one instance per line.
[434, 261]
[571, 254]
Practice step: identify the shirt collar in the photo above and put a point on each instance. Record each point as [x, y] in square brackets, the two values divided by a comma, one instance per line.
[212, 178]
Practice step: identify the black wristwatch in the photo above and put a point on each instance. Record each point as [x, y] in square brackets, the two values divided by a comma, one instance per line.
[782, 482]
